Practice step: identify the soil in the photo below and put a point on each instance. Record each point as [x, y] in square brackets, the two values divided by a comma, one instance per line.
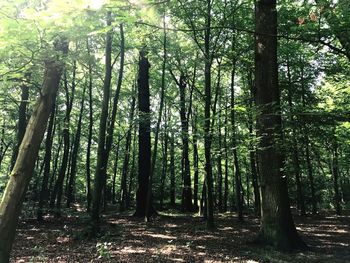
[174, 237]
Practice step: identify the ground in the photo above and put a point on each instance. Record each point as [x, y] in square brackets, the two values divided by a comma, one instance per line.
[174, 238]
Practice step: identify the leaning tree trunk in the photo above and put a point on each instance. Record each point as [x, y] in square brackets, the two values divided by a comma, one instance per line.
[11, 204]
[277, 226]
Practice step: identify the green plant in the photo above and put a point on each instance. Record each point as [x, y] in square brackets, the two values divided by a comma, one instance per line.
[103, 250]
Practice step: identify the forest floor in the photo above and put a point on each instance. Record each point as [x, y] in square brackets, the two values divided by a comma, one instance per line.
[174, 238]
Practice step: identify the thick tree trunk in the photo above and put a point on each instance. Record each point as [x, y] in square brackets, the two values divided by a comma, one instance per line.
[144, 167]
[277, 226]
[11, 204]
[187, 189]
[100, 172]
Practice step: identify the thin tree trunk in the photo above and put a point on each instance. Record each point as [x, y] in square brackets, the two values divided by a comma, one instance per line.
[22, 121]
[165, 160]
[156, 136]
[89, 139]
[100, 172]
[296, 162]
[58, 189]
[335, 172]
[71, 183]
[123, 188]
[252, 151]
[44, 193]
[172, 170]
[207, 129]
[195, 158]
[238, 189]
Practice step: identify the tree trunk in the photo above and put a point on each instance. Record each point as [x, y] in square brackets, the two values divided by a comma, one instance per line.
[335, 172]
[44, 193]
[238, 188]
[156, 136]
[11, 204]
[115, 171]
[123, 187]
[277, 226]
[207, 129]
[187, 189]
[252, 151]
[144, 162]
[71, 183]
[165, 159]
[195, 159]
[100, 172]
[89, 139]
[296, 162]
[22, 121]
[172, 170]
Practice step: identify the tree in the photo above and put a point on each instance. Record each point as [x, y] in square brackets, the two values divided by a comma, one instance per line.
[11, 203]
[144, 180]
[277, 226]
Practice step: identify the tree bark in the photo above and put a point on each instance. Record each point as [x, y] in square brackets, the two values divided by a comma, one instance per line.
[11, 204]
[172, 170]
[207, 129]
[44, 193]
[335, 172]
[76, 145]
[22, 120]
[100, 172]
[123, 187]
[277, 226]
[144, 162]
[89, 139]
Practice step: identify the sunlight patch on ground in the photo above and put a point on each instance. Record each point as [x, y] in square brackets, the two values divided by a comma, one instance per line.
[162, 236]
[131, 250]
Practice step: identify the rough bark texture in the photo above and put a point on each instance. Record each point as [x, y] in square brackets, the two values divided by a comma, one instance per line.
[207, 135]
[277, 226]
[11, 204]
[47, 162]
[144, 137]
[100, 172]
